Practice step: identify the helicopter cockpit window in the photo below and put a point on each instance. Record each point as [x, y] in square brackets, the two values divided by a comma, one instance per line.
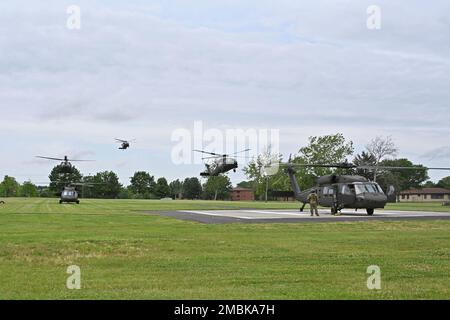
[347, 189]
[367, 188]
[68, 193]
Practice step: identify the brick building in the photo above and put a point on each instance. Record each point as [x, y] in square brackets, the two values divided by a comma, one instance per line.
[242, 194]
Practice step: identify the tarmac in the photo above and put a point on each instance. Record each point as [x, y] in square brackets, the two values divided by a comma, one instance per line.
[294, 216]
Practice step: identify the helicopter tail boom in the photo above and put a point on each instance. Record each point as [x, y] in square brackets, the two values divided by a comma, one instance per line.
[294, 184]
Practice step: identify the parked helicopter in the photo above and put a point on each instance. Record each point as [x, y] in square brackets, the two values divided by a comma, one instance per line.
[69, 193]
[346, 191]
[222, 163]
[125, 144]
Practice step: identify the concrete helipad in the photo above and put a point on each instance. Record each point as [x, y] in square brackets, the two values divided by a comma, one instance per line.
[283, 216]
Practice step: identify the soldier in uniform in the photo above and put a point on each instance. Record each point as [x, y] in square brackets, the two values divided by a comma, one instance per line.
[313, 200]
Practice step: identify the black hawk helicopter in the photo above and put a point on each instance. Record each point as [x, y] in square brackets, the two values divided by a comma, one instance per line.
[346, 191]
[125, 144]
[222, 163]
[65, 161]
[69, 193]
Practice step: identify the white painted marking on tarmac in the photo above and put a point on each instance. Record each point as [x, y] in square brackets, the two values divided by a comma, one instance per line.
[207, 213]
[271, 214]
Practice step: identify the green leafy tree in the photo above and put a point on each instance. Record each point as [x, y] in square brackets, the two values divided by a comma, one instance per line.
[176, 188]
[429, 184]
[246, 184]
[28, 189]
[265, 174]
[63, 175]
[217, 187]
[142, 184]
[365, 159]
[401, 179]
[162, 189]
[192, 188]
[106, 185]
[444, 183]
[9, 187]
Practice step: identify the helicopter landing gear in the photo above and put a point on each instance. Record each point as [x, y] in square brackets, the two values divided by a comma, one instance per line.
[60, 201]
[234, 170]
[370, 211]
[303, 207]
[78, 201]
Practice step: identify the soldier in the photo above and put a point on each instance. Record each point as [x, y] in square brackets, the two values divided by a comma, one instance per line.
[313, 200]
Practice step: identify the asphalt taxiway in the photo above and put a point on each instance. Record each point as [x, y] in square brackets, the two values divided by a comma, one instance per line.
[290, 216]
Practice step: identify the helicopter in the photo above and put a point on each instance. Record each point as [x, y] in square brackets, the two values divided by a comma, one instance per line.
[65, 161]
[222, 163]
[346, 191]
[125, 144]
[69, 193]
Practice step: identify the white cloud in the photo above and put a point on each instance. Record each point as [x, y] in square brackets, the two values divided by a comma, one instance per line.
[142, 71]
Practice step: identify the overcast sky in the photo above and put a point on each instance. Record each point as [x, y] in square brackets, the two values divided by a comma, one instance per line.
[142, 69]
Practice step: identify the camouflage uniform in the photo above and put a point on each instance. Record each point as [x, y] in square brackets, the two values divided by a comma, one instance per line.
[313, 200]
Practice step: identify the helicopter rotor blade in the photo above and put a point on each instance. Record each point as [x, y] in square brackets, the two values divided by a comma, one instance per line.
[399, 168]
[211, 153]
[242, 151]
[49, 158]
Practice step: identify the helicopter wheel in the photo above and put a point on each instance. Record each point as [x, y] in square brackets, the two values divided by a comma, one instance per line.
[78, 202]
[370, 211]
[60, 201]
[333, 211]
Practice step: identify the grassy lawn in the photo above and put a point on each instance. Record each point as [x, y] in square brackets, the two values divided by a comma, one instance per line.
[126, 254]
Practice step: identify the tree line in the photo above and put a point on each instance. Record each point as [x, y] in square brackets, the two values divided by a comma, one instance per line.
[328, 149]
[106, 185]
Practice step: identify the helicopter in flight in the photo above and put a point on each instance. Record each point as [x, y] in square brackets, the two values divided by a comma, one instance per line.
[345, 191]
[222, 163]
[66, 162]
[125, 144]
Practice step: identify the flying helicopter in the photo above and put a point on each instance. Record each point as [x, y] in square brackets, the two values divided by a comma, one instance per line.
[65, 161]
[222, 163]
[345, 191]
[125, 144]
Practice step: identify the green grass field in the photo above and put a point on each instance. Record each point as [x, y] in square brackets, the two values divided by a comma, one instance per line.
[125, 253]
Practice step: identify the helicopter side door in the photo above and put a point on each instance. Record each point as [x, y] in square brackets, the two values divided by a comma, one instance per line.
[347, 195]
[326, 196]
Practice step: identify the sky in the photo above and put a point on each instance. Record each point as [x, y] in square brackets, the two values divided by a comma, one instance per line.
[146, 69]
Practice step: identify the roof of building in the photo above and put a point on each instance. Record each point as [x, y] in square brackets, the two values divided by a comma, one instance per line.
[426, 191]
[242, 189]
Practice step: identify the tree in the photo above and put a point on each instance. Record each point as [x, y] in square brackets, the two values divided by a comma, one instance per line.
[217, 187]
[9, 187]
[266, 174]
[176, 188]
[142, 184]
[63, 175]
[106, 185]
[28, 190]
[192, 188]
[364, 159]
[429, 184]
[246, 184]
[444, 183]
[162, 189]
[402, 179]
[380, 148]
[321, 150]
